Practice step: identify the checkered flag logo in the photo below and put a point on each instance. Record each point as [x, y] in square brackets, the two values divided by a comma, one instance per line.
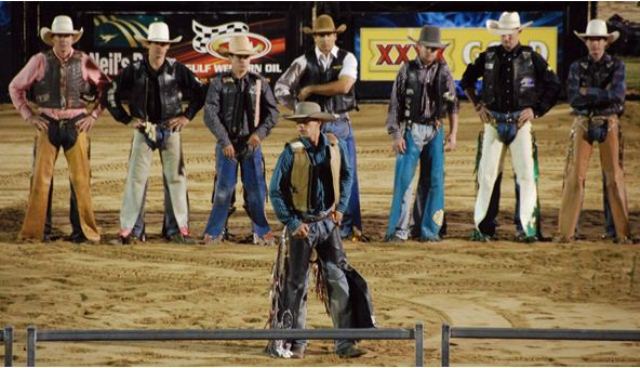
[205, 34]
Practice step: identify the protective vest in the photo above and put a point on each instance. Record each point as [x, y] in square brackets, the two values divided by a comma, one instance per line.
[62, 86]
[313, 74]
[302, 173]
[236, 103]
[599, 75]
[170, 94]
[524, 77]
[411, 97]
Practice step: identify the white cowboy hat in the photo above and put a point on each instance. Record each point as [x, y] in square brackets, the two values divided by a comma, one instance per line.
[239, 44]
[507, 24]
[158, 32]
[598, 28]
[61, 24]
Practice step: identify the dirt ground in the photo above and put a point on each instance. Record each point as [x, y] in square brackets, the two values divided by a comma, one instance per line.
[588, 284]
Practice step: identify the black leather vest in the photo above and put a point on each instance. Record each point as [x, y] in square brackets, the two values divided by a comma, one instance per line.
[313, 74]
[411, 98]
[524, 77]
[170, 95]
[236, 103]
[599, 75]
[62, 85]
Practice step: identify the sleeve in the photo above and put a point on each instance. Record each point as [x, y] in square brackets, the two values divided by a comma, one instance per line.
[575, 99]
[288, 82]
[212, 108]
[279, 190]
[392, 124]
[113, 98]
[268, 111]
[550, 86]
[22, 82]
[346, 178]
[189, 82]
[95, 76]
[452, 106]
[614, 93]
[474, 71]
[349, 67]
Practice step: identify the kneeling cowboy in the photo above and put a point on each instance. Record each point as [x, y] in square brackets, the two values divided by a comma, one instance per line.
[309, 193]
[596, 92]
[63, 82]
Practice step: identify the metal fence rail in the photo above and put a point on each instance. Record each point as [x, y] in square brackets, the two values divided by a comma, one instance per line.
[34, 335]
[449, 332]
[6, 336]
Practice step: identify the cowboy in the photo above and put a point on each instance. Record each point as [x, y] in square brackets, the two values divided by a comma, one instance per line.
[309, 192]
[240, 111]
[423, 93]
[155, 85]
[596, 92]
[518, 86]
[63, 81]
[326, 75]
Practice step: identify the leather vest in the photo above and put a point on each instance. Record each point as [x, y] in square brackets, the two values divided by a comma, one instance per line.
[170, 94]
[524, 77]
[62, 86]
[411, 98]
[313, 74]
[599, 75]
[236, 103]
[302, 173]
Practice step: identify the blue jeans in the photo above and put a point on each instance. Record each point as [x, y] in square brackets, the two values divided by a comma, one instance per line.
[255, 187]
[341, 128]
[430, 152]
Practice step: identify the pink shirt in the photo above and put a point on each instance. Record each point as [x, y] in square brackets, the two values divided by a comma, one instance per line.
[34, 72]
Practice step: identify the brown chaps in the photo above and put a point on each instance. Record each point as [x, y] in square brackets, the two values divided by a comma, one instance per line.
[580, 150]
[45, 155]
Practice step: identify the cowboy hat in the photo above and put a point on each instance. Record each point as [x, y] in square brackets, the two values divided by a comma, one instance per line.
[62, 25]
[324, 24]
[507, 24]
[158, 32]
[598, 28]
[309, 111]
[430, 37]
[239, 44]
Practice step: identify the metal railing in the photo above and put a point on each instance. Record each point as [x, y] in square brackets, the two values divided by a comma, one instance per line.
[449, 332]
[34, 335]
[6, 336]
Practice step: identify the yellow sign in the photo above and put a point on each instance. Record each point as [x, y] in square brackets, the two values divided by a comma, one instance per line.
[383, 50]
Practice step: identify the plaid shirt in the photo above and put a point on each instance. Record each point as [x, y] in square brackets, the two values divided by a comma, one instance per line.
[604, 81]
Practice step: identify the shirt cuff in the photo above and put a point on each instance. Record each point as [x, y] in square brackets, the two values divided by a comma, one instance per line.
[293, 225]
[26, 112]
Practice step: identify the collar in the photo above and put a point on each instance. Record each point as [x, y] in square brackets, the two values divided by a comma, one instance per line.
[61, 58]
[150, 69]
[422, 65]
[604, 59]
[515, 51]
[309, 147]
[334, 52]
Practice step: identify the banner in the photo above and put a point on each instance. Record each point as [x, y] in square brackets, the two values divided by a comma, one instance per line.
[383, 50]
[114, 44]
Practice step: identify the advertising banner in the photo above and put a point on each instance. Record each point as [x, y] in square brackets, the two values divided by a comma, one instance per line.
[114, 44]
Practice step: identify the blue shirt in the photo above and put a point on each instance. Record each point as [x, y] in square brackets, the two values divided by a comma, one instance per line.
[604, 81]
[321, 191]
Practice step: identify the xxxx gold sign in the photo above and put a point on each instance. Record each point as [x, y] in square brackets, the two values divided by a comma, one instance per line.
[383, 50]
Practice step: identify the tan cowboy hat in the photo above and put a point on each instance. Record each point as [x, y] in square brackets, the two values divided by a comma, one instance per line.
[507, 24]
[62, 24]
[309, 111]
[430, 37]
[158, 32]
[324, 24]
[598, 28]
[239, 44]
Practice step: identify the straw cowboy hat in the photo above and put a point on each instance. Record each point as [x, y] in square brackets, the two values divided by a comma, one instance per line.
[598, 28]
[324, 24]
[306, 111]
[238, 45]
[430, 37]
[158, 32]
[62, 25]
[507, 24]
